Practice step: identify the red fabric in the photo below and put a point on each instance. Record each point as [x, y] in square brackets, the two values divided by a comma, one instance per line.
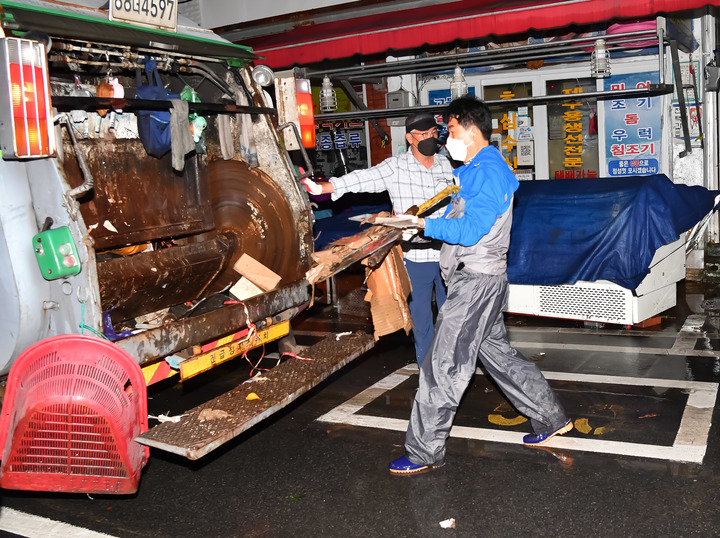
[445, 23]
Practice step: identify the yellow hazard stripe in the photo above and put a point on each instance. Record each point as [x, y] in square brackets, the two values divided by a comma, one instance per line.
[206, 361]
[151, 374]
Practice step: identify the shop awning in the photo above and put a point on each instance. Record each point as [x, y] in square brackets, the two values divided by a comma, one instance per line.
[445, 23]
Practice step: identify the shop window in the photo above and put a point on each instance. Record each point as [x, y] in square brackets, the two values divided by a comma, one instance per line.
[572, 130]
[512, 127]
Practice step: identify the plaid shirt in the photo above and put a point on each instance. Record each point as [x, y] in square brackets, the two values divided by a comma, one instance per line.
[408, 183]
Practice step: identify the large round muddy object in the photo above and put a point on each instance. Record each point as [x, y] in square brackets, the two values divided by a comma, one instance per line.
[252, 210]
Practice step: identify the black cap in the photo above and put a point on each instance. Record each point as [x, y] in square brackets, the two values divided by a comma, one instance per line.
[421, 121]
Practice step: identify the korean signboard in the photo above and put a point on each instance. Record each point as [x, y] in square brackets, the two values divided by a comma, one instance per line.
[632, 128]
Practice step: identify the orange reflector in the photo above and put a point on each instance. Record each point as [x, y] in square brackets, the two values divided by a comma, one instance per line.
[25, 91]
[306, 115]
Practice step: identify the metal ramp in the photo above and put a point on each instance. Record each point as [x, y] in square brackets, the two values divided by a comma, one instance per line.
[207, 426]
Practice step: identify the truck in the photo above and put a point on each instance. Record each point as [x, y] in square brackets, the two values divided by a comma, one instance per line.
[108, 252]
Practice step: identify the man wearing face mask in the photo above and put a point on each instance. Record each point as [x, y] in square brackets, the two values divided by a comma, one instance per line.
[410, 179]
[473, 261]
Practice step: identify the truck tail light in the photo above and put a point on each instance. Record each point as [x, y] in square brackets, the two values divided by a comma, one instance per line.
[306, 115]
[26, 127]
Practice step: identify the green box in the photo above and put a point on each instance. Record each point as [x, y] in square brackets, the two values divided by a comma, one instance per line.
[56, 254]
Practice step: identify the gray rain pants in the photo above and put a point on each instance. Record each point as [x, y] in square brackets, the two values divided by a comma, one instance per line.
[470, 325]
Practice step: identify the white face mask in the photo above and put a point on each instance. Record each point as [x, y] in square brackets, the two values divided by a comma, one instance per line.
[457, 148]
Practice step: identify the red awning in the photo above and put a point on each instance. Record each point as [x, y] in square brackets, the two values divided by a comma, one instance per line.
[444, 23]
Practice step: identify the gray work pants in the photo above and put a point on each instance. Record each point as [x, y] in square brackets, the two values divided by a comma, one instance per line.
[470, 325]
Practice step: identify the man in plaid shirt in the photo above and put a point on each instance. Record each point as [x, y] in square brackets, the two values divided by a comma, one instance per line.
[410, 179]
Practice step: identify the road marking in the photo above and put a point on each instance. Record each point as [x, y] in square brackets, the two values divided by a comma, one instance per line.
[618, 349]
[32, 526]
[690, 442]
[688, 335]
[683, 343]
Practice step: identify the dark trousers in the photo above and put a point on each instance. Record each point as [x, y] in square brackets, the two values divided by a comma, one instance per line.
[470, 326]
[424, 277]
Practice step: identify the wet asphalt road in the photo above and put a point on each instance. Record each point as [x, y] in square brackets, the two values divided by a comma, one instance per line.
[295, 476]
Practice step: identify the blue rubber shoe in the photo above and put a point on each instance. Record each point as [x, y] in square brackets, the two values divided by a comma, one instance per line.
[403, 466]
[535, 439]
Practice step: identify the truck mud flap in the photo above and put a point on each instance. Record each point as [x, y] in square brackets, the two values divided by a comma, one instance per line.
[206, 427]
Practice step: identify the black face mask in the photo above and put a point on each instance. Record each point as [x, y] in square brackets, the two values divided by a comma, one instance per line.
[428, 146]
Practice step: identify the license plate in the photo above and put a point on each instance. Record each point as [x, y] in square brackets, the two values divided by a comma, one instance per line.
[160, 14]
[206, 361]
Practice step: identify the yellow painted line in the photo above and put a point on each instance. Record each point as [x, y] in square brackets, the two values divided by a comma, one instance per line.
[217, 356]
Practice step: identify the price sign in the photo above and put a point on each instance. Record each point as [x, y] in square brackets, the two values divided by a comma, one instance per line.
[161, 14]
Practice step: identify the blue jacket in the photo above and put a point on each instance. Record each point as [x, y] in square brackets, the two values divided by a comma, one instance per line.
[476, 228]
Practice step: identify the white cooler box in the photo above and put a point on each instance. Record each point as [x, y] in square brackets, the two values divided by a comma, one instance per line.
[603, 301]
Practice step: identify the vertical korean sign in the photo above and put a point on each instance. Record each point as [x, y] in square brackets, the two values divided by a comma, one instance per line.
[632, 128]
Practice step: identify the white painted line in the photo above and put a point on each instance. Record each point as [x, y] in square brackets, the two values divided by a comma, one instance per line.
[354, 405]
[688, 335]
[685, 351]
[412, 369]
[40, 527]
[690, 441]
[693, 454]
[634, 381]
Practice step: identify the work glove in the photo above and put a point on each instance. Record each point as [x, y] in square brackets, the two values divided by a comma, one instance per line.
[313, 188]
[408, 221]
[409, 233]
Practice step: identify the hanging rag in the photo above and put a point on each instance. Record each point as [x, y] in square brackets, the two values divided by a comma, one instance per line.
[248, 150]
[180, 135]
[227, 147]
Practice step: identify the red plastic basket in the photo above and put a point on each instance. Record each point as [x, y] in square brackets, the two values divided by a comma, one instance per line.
[73, 405]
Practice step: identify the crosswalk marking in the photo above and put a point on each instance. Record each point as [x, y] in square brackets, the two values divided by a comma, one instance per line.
[32, 526]
[690, 442]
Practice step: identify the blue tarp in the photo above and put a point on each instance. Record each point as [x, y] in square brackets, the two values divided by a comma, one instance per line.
[580, 229]
[333, 228]
[598, 229]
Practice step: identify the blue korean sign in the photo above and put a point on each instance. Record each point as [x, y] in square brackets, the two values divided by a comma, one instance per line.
[632, 128]
[442, 97]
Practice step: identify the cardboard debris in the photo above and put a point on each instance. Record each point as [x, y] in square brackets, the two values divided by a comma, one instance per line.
[326, 257]
[388, 290]
[257, 273]
[448, 523]
[343, 253]
[244, 289]
[354, 241]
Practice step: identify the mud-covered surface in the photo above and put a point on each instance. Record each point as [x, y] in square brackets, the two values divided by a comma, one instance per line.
[137, 198]
[250, 208]
[149, 281]
[205, 427]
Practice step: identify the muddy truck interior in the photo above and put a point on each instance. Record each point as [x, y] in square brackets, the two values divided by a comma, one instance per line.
[111, 237]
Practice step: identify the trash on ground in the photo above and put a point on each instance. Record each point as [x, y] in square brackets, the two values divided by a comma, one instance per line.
[165, 418]
[448, 523]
